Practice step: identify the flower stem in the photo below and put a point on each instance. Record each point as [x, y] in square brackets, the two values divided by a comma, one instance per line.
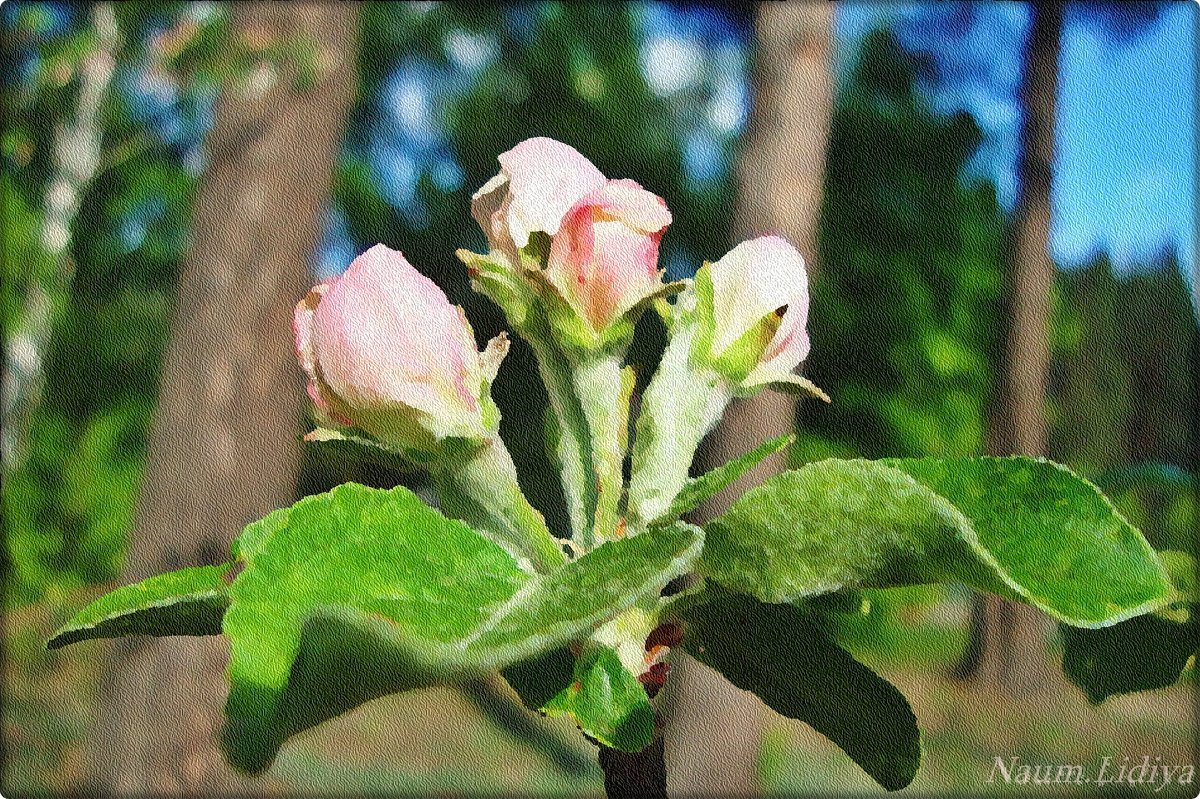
[681, 406]
[572, 439]
[603, 393]
[481, 489]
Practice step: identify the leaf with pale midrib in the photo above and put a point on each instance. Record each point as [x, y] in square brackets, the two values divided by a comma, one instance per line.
[186, 602]
[712, 482]
[361, 592]
[1020, 527]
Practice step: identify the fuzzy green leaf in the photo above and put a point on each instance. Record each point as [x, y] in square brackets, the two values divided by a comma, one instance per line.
[1019, 527]
[185, 602]
[377, 585]
[779, 653]
[607, 702]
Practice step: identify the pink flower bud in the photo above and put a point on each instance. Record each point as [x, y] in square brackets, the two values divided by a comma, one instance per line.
[760, 310]
[384, 349]
[604, 258]
[539, 180]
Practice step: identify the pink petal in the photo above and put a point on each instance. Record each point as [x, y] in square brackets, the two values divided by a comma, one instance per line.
[546, 178]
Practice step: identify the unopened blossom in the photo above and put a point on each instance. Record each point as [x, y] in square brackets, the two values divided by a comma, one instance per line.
[385, 350]
[758, 296]
[604, 258]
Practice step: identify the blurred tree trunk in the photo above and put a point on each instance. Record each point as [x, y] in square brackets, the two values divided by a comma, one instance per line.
[714, 730]
[1009, 640]
[76, 158]
[224, 443]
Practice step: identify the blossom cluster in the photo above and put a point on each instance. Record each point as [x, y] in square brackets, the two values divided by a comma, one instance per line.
[573, 260]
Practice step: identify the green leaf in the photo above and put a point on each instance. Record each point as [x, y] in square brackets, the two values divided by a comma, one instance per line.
[356, 593]
[1139, 654]
[1019, 527]
[607, 702]
[185, 602]
[1142, 653]
[246, 545]
[589, 591]
[712, 482]
[779, 653]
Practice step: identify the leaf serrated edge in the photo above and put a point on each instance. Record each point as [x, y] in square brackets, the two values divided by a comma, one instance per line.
[966, 529]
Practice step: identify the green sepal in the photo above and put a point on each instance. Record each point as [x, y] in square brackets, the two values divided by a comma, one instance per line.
[781, 654]
[699, 489]
[353, 447]
[740, 357]
[606, 701]
[790, 384]
[190, 601]
[495, 279]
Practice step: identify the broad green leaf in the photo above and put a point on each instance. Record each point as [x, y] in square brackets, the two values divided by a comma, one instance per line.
[1019, 527]
[782, 655]
[607, 702]
[1139, 654]
[185, 602]
[712, 482]
[360, 592]
[589, 591]
[246, 545]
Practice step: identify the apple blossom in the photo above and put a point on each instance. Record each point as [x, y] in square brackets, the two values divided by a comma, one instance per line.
[385, 350]
[573, 258]
[757, 296]
[539, 181]
[740, 328]
[604, 258]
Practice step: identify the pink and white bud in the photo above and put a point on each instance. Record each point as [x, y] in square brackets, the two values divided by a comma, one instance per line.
[759, 310]
[539, 180]
[604, 258]
[385, 350]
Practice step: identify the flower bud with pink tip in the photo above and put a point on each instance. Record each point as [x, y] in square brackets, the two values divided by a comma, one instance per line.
[752, 307]
[740, 328]
[385, 350]
[603, 262]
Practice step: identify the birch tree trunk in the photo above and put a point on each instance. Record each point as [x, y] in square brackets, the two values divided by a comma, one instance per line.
[224, 443]
[1011, 639]
[714, 731]
[76, 157]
